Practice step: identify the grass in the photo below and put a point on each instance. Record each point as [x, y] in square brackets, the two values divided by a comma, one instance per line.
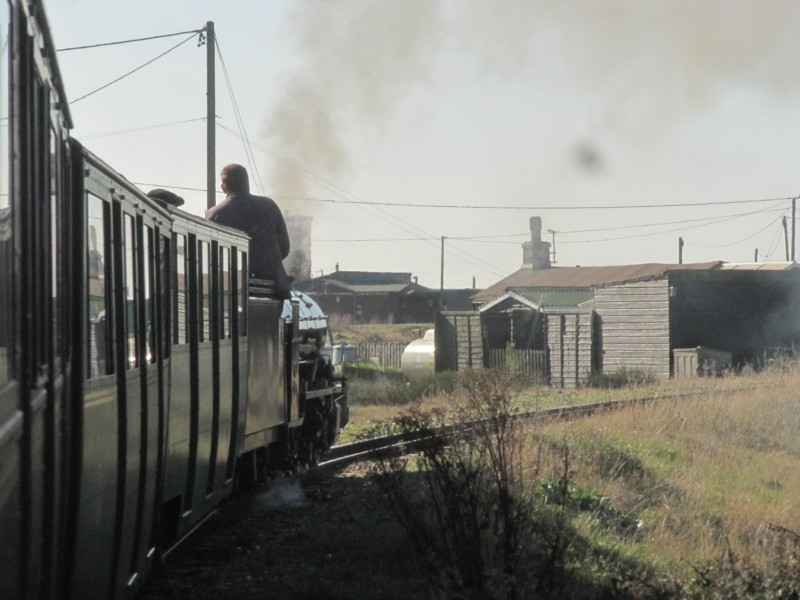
[692, 497]
[705, 478]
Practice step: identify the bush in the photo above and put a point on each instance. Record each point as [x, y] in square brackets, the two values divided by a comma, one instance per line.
[469, 501]
[622, 377]
[372, 372]
[391, 390]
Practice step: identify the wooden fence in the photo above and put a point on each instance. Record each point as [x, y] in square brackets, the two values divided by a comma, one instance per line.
[530, 363]
[387, 353]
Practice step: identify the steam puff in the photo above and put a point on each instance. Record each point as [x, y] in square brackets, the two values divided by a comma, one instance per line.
[356, 60]
[635, 67]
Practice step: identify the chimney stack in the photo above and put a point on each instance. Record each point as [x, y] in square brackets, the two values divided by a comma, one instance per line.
[536, 253]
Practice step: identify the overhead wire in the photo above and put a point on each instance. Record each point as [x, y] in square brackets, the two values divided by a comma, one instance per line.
[491, 239]
[137, 129]
[631, 237]
[119, 42]
[139, 68]
[239, 121]
[775, 240]
[375, 209]
[768, 225]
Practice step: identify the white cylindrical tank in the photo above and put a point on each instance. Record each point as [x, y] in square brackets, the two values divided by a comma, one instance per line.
[418, 358]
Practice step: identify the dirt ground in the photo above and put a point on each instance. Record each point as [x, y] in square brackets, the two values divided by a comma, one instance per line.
[323, 535]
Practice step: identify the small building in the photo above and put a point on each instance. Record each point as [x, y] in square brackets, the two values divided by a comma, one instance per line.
[381, 297]
[600, 319]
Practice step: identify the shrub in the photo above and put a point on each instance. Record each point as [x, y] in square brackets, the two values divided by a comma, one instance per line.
[395, 391]
[622, 377]
[469, 502]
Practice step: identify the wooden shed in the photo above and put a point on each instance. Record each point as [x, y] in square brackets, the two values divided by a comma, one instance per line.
[601, 319]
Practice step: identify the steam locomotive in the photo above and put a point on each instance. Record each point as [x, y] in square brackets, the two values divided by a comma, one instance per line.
[143, 376]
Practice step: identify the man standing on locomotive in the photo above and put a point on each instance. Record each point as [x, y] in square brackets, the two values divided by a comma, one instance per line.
[261, 219]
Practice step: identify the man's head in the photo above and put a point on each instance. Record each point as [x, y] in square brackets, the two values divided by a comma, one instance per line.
[234, 179]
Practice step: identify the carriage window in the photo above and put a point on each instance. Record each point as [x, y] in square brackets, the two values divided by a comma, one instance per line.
[225, 276]
[6, 272]
[55, 233]
[180, 331]
[203, 259]
[164, 257]
[128, 233]
[241, 285]
[98, 360]
[149, 298]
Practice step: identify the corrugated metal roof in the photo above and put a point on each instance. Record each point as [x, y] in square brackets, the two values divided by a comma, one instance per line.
[584, 277]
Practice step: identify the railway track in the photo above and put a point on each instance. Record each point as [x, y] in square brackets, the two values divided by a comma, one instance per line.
[410, 441]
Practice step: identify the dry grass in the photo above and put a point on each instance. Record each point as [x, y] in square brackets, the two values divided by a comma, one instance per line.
[702, 475]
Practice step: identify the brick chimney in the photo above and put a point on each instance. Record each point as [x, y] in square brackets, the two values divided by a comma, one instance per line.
[536, 253]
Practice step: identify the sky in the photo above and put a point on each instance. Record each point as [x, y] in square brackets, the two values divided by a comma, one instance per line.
[625, 125]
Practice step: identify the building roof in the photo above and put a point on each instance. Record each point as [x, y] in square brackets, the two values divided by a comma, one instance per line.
[359, 282]
[546, 301]
[368, 277]
[556, 297]
[583, 277]
[770, 266]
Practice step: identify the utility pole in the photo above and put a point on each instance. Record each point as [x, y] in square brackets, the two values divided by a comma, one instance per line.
[786, 237]
[755, 256]
[441, 283]
[680, 250]
[211, 120]
[794, 226]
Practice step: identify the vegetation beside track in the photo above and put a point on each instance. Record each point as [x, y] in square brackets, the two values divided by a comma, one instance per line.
[681, 499]
[691, 497]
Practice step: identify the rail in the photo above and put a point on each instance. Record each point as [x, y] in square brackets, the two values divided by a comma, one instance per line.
[368, 448]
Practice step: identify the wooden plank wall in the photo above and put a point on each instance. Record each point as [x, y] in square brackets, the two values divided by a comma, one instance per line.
[532, 364]
[635, 326]
[387, 353]
[459, 344]
[569, 344]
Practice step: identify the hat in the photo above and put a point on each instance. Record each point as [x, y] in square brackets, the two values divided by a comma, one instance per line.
[166, 197]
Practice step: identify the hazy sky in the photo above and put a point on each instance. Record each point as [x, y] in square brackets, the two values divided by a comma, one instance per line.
[586, 113]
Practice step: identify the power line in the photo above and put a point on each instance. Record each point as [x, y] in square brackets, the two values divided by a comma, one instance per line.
[484, 238]
[767, 226]
[144, 39]
[110, 83]
[519, 207]
[239, 120]
[374, 208]
[137, 129]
